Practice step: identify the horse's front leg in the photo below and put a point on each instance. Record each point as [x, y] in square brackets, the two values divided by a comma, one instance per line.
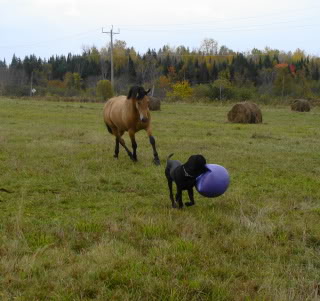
[134, 145]
[156, 159]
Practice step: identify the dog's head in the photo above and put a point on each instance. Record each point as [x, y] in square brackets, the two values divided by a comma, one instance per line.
[196, 165]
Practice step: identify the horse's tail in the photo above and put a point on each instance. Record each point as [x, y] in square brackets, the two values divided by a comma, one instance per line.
[109, 129]
[170, 156]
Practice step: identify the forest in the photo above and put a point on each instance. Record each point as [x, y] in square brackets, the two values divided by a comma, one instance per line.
[174, 73]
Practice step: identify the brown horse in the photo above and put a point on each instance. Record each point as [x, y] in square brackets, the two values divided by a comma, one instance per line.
[129, 114]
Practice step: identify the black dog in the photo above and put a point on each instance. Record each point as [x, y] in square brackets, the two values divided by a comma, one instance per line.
[184, 175]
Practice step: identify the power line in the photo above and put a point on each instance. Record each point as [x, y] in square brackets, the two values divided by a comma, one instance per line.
[229, 29]
[244, 28]
[67, 37]
[213, 22]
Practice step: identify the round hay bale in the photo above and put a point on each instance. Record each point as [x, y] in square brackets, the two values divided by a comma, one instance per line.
[245, 112]
[154, 104]
[301, 105]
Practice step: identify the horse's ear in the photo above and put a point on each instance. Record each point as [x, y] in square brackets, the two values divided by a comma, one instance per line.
[129, 94]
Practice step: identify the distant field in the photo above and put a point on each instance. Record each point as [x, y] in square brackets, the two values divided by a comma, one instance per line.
[81, 225]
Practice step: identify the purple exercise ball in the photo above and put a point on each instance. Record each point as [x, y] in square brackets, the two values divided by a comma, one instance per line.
[213, 182]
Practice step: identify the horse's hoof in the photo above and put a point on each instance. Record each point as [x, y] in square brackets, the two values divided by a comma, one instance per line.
[115, 156]
[189, 204]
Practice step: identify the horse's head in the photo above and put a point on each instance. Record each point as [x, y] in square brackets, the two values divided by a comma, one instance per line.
[140, 98]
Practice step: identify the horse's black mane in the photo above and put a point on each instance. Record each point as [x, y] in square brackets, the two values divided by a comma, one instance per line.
[137, 92]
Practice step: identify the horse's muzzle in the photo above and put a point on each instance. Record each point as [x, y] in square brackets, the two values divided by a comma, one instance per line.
[144, 119]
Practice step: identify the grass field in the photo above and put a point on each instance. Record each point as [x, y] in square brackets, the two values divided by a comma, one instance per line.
[80, 225]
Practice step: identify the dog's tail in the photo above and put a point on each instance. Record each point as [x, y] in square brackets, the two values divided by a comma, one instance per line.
[5, 190]
[170, 156]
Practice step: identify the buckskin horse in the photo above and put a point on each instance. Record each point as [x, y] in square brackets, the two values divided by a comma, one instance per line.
[130, 114]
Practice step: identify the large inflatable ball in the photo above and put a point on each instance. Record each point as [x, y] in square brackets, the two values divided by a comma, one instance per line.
[213, 182]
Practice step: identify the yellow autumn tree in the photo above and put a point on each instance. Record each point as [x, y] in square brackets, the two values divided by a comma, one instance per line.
[180, 91]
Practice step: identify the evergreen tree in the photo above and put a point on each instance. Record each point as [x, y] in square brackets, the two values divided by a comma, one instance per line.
[267, 62]
[131, 70]
[214, 72]
[3, 64]
[203, 73]
[316, 73]
[166, 64]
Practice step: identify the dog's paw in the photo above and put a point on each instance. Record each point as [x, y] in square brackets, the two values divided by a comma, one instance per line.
[189, 204]
[174, 204]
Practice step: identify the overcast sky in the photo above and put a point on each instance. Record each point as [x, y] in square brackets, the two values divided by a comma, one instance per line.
[50, 27]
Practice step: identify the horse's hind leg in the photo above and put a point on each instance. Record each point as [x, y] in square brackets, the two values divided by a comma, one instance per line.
[116, 150]
[125, 147]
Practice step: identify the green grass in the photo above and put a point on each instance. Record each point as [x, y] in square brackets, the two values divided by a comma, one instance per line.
[81, 225]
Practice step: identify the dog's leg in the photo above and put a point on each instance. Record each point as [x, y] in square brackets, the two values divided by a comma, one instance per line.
[171, 194]
[190, 193]
[167, 173]
[179, 197]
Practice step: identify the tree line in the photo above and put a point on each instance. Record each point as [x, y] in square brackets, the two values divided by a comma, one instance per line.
[210, 72]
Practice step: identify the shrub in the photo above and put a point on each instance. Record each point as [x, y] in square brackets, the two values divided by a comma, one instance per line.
[244, 93]
[180, 91]
[56, 84]
[222, 89]
[104, 89]
[202, 91]
[315, 87]
[16, 90]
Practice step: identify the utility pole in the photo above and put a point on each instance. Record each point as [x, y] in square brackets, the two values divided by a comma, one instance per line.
[31, 83]
[111, 51]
